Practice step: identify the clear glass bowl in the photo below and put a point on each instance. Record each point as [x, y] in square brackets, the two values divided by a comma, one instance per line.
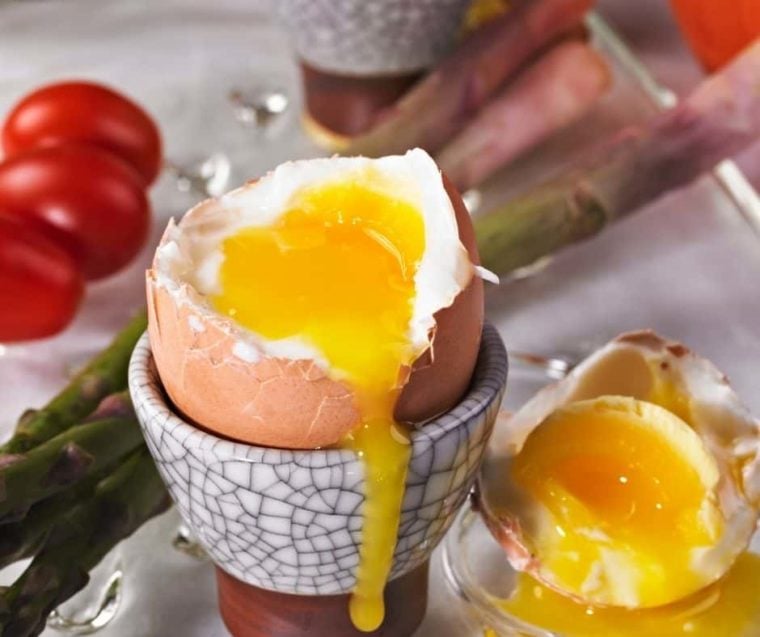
[478, 573]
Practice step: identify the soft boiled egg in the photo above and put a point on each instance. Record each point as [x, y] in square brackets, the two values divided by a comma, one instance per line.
[633, 482]
[333, 302]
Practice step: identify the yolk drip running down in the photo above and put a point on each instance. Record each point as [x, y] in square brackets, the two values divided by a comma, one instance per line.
[730, 607]
[627, 507]
[337, 270]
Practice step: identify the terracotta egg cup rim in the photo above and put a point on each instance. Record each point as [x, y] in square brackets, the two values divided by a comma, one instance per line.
[488, 381]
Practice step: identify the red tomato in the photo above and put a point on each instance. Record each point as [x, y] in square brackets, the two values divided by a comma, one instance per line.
[718, 29]
[40, 284]
[86, 199]
[89, 113]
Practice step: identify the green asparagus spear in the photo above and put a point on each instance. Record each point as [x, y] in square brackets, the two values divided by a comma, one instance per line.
[105, 374]
[25, 538]
[71, 456]
[719, 119]
[121, 504]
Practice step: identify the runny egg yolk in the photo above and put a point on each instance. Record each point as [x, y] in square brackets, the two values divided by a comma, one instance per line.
[626, 502]
[337, 270]
[730, 607]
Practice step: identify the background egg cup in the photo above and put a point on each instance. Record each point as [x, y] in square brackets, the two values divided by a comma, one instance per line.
[284, 527]
[358, 57]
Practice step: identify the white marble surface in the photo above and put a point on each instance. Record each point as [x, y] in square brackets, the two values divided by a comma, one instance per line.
[688, 265]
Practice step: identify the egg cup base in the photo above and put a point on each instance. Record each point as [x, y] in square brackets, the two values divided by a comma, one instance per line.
[361, 98]
[249, 611]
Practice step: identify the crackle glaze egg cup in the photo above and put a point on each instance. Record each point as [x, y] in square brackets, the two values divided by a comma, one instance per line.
[359, 57]
[290, 521]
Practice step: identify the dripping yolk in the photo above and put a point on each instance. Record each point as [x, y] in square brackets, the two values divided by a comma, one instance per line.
[624, 502]
[337, 271]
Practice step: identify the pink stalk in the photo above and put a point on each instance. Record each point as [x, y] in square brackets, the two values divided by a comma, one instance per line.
[553, 92]
[718, 120]
[442, 102]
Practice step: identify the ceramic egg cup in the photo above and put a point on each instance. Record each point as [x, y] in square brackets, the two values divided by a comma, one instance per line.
[284, 527]
[382, 37]
[359, 57]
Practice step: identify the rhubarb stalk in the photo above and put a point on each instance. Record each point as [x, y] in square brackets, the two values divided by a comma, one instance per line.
[442, 102]
[553, 92]
[718, 120]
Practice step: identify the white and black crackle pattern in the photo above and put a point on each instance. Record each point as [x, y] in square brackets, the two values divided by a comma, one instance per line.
[361, 37]
[291, 521]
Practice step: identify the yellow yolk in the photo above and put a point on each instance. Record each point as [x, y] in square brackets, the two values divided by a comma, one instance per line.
[730, 607]
[623, 507]
[337, 270]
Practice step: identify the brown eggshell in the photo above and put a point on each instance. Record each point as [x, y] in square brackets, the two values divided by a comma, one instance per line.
[440, 376]
[293, 404]
[240, 400]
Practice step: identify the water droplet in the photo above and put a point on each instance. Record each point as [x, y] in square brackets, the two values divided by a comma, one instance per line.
[185, 542]
[207, 177]
[258, 107]
[80, 616]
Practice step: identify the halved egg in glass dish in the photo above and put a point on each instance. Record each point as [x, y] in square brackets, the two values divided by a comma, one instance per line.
[619, 501]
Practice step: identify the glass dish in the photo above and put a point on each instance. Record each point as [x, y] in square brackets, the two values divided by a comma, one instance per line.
[687, 266]
[480, 576]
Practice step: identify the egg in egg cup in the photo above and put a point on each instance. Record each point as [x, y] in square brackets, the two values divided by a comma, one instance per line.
[288, 523]
[317, 388]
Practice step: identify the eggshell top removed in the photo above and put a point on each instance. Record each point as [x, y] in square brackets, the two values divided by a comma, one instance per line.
[283, 393]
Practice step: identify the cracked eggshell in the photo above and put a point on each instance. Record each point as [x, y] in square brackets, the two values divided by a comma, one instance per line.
[441, 375]
[282, 393]
[638, 365]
